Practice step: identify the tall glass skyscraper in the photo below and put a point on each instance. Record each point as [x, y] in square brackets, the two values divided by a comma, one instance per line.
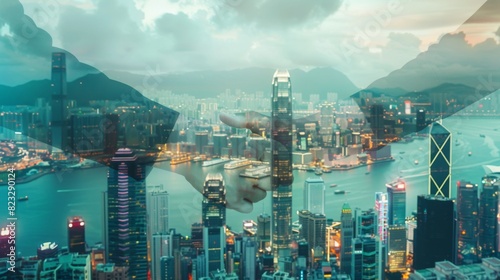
[434, 236]
[76, 235]
[126, 232]
[281, 162]
[59, 118]
[488, 217]
[467, 218]
[346, 224]
[214, 220]
[314, 195]
[396, 192]
[381, 205]
[439, 160]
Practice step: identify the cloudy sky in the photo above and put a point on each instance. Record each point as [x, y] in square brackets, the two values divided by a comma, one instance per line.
[365, 39]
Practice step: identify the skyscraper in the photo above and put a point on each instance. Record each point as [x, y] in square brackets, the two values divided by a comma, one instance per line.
[467, 219]
[157, 204]
[347, 235]
[488, 211]
[58, 122]
[396, 213]
[439, 160]
[238, 145]
[161, 246]
[396, 248]
[381, 206]
[201, 139]
[263, 230]
[421, 124]
[214, 221]
[327, 121]
[366, 222]
[76, 235]
[126, 214]
[434, 236]
[377, 122]
[281, 162]
[317, 231]
[220, 141]
[366, 262]
[314, 195]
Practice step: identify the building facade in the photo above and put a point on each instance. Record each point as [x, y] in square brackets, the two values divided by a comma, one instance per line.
[281, 163]
[126, 214]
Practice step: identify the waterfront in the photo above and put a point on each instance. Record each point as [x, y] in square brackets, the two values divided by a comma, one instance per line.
[55, 197]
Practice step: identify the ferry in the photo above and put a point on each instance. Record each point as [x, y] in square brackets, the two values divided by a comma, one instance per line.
[339, 192]
[257, 172]
[177, 159]
[237, 164]
[196, 159]
[333, 185]
[215, 162]
[23, 198]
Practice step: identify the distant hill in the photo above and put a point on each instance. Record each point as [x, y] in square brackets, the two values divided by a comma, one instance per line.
[84, 89]
[211, 83]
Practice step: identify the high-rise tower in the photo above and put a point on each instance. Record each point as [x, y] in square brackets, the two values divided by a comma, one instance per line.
[381, 206]
[157, 205]
[281, 162]
[347, 235]
[58, 122]
[377, 122]
[396, 213]
[314, 195]
[127, 217]
[434, 236]
[488, 211]
[467, 219]
[421, 123]
[76, 235]
[214, 220]
[439, 161]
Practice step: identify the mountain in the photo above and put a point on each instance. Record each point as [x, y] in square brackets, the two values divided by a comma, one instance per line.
[82, 90]
[211, 83]
[452, 60]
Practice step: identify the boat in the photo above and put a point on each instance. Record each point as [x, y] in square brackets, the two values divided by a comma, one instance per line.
[257, 172]
[339, 192]
[310, 169]
[215, 162]
[481, 135]
[333, 185]
[23, 198]
[402, 152]
[318, 171]
[366, 173]
[459, 133]
[416, 162]
[470, 153]
[237, 164]
[177, 159]
[196, 159]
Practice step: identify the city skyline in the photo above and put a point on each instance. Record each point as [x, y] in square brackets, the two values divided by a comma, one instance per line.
[384, 149]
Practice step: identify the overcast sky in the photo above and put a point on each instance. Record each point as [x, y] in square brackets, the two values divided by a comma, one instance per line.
[365, 39]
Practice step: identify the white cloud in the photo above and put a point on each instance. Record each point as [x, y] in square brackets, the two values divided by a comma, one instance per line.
[183, 35]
